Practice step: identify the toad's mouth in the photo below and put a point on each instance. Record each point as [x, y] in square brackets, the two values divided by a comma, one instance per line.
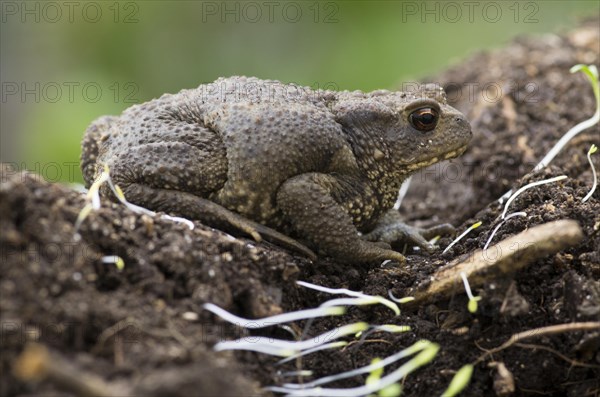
[445, 156]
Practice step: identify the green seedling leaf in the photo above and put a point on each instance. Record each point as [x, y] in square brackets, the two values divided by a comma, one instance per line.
[459, 381]
[472, 305]
[393, 390]
[376, 374]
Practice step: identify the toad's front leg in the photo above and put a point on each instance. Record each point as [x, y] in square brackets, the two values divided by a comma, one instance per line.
[307, 201]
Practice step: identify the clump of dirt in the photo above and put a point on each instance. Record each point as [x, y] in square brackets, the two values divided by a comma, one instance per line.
[143, 331]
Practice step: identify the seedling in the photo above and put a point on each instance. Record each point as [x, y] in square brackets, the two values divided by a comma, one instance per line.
[592, 150]
[117, 260]
[456, 240]
[365, 301]
[274, 320]
[591, 73]
[93, 197]
[368, 299]
[489, 240]
[460, 380]
[409, 351]
[406, 299]
[421, 359]
[302, 372]
[529, 186]
[285, 348]
[392, 390]
[402, 192]
[472, 305]
[391, 328]
[332, 345]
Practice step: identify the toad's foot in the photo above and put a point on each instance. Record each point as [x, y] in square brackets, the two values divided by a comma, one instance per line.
[397, 234]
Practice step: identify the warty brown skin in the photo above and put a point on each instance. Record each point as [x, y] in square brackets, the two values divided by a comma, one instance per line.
[260, 156]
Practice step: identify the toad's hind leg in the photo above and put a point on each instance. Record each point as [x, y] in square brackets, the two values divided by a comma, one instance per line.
[172, 177]
[193, 207]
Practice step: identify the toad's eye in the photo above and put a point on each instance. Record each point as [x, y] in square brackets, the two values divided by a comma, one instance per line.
[424, 119]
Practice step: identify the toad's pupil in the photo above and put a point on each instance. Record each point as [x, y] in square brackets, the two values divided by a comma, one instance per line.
[424, 119]
[427, 118]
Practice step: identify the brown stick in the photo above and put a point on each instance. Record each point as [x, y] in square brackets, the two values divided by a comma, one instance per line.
[36, 363]
[550, 330]
[506, 257]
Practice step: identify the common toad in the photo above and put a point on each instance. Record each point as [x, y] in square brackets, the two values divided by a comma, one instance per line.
[277, 160]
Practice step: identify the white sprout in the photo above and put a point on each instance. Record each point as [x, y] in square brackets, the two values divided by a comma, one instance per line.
[391, 328]
[402, 193]
[274, 320]
[302, 372]
[356, 294]
[93, 194]
[528, 186]
[326, 346]
[406, 299]
[179, 219]
[117, 260]
[364, 301]
[489, 240]
[93, 197]
[472, 306]
[285, 348]
[421, 359]
[456, 240]
[141, 210]
[592, 150]
[467, 286]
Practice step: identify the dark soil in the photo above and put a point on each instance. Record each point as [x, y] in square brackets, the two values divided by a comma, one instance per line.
[135, 328]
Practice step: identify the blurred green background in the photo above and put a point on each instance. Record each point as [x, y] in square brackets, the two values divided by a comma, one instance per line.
[65, 63]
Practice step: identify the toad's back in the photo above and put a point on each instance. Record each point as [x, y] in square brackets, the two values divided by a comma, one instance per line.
[234, 141]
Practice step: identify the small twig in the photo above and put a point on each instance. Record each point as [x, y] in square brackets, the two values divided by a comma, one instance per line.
[36, 363]
[506, 257]
[550, 330]
[112, 331]
[574, 363]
